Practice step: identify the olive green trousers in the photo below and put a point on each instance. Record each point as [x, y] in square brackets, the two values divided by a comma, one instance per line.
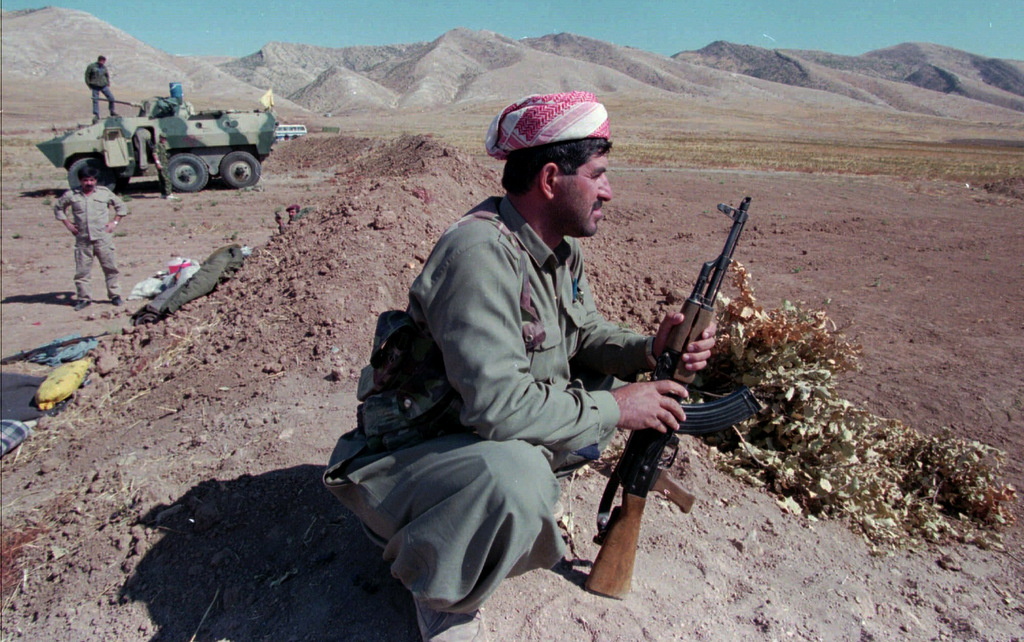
[456, 514]
[103, 250]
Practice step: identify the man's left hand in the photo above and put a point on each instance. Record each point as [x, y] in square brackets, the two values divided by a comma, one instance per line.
[697, 353]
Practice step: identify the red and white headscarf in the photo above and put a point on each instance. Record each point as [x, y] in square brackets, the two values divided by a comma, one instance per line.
[539, 120]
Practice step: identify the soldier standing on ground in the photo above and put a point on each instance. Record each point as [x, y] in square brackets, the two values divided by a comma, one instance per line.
[161, 160]
[146, 150]
[97, 78]
[93, 229]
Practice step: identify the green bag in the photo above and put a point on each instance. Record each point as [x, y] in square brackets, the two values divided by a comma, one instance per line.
[405, 394]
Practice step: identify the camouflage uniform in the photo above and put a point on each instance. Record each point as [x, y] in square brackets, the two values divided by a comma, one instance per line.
[145, 149]
[162, 160]
[90, 214]
[459, 513]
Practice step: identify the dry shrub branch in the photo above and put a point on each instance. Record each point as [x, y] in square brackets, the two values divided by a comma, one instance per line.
[826, 458]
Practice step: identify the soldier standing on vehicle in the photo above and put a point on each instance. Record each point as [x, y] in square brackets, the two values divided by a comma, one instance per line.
[93, 229]
[97, 78]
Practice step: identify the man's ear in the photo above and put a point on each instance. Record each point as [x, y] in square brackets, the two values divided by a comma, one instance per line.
[547, 178]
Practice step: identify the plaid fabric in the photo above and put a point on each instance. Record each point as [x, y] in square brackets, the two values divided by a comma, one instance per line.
[14, 432]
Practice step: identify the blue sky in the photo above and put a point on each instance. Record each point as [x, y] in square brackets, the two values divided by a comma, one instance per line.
[237, 28]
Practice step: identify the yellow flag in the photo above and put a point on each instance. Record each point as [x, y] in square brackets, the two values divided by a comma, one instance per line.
[268, 99]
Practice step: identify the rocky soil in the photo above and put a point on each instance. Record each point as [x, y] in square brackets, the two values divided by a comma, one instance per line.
[178, 497]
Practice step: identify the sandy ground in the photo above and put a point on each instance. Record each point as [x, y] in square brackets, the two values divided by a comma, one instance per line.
[178, 497]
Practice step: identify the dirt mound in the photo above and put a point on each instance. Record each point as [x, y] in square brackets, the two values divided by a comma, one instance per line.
[317, 152]
[409, 155]
[1012, 187]
[310, 297]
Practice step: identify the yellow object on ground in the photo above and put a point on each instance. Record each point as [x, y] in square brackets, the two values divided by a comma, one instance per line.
[62, 383]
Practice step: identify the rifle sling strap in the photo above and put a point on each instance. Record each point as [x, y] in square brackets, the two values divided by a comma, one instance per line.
[701, 419]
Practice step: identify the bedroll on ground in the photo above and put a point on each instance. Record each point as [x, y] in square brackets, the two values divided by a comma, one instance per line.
[217, 267]
[62, 383]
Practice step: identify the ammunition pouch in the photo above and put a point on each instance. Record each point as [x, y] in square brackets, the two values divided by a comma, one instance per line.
[405, 394]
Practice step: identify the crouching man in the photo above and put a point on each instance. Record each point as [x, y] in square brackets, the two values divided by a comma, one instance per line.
[456, 478]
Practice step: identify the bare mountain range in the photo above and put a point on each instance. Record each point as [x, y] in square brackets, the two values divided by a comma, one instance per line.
[870, 77]
[463, 66]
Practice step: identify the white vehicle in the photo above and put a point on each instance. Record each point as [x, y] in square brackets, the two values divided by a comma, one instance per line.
[288, 132]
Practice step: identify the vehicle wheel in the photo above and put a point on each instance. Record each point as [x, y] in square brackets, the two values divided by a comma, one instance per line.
[188, 172]
[106, 176]
[240, 169]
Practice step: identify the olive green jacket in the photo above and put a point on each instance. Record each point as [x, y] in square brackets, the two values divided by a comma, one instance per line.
[97, 76]
[468, 297]
[90, 212]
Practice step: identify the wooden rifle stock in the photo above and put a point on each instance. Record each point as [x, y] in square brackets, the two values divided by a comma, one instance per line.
[613, 570]
[612, 575]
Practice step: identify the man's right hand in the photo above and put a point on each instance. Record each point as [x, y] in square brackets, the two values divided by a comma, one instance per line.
[650, 404]
[71, 226]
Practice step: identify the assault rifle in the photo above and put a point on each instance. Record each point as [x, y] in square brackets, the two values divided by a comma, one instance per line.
[641, 468]
[48, 350]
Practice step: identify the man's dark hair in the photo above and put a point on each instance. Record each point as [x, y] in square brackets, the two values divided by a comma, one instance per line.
[88, 172]
[101, 59]
[523, 165]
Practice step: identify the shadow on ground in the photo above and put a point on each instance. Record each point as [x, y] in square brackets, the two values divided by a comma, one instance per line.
[270, 557]
[49, 298]
[42, 193]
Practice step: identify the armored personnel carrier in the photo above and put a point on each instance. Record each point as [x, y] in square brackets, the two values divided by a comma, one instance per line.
[223, 143]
